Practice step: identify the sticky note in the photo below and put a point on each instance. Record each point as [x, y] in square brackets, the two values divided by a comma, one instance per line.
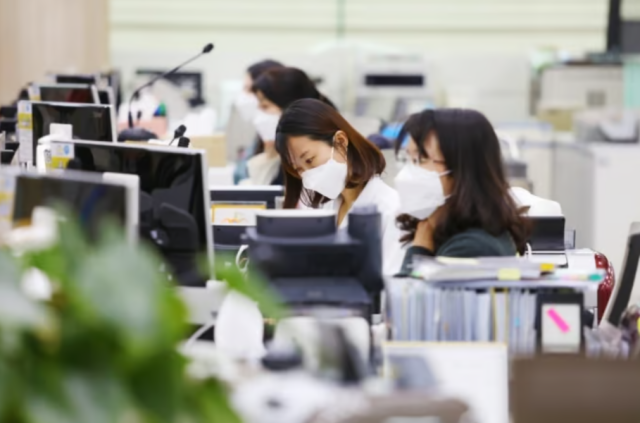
[509, 274]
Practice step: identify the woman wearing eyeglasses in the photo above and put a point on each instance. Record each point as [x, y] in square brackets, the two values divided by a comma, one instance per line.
[454, 197]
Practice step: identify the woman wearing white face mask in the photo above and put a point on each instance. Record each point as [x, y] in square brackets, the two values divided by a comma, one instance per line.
[454, 196]
[329, 164]
[275, 90]
[246, 107]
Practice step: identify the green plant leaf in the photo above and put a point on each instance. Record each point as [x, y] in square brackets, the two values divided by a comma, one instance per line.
[119, 286]
[157, 384]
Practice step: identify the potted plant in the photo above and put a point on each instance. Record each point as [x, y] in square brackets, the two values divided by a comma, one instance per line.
[104, 347]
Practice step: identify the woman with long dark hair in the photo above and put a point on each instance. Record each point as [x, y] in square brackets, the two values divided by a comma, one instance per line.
[275, 90]
[455, 199]
[328, 164]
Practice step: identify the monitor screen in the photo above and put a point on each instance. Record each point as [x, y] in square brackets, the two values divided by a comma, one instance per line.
[189, 83]
[66, 93]
[105, 97]
[89, 122]
[76, 79]
[174, 212]
[89, 199]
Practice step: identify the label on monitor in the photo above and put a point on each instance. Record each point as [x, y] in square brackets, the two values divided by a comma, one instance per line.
[239, 214]
[59, 155]
[34, 93]
[25, 132]
[7, 188]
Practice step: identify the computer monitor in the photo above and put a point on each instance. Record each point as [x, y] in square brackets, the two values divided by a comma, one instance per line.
[189, 83]
[174, 207]
[621, 295]
[105, 96]
[89, 121]
[76, 79]
[233, 209]
[64, 93]
[113, 78]
[90, 198]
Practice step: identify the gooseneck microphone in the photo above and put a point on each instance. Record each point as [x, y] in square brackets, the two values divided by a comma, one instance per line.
[178, 133]
[207, 49]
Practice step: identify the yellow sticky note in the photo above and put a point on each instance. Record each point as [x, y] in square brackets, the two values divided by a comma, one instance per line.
[547, 267]
[509, 274]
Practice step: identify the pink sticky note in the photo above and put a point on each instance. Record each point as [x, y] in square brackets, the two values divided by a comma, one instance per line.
[559, 321]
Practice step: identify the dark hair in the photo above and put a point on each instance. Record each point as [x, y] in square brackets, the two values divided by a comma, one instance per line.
[283, 86]
[319, 121]
[480, 196]
[259, 68]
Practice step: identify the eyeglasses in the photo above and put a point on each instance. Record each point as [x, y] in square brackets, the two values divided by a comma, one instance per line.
[403, 157]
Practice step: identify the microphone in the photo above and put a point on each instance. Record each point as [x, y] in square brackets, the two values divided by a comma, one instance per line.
[206, 49]
[178, 133]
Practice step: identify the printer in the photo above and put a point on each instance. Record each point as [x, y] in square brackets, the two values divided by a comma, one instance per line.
[607, 125]
[313, 265]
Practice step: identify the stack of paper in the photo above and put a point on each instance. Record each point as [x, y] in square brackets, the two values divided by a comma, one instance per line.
[490, 268]
[478, 311]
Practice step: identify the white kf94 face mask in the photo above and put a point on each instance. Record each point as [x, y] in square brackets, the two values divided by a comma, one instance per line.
[420, 191]
[266, 124]
[247, 105]
[328, 179]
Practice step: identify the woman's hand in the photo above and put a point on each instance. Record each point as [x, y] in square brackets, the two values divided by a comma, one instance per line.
[424, 235]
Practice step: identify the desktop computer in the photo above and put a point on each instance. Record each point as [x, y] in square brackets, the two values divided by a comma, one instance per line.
[91, 199]
[233, 210]
[89, 121]
[64, 93]
[174, 200]
[189, 83]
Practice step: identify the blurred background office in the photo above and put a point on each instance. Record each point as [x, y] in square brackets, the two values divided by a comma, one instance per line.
[539, 70]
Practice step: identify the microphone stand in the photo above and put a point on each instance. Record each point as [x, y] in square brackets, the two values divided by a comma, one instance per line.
[140, 134]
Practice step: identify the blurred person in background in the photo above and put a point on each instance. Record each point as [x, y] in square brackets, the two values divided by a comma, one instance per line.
[330, 165]
[247, 106]
[275, 90]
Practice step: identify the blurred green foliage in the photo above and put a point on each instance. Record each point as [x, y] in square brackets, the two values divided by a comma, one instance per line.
[104, 348]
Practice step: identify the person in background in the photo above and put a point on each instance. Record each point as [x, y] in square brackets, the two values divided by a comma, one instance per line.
[454, 197]
[328, 164]
[275, 90]
[247, 106]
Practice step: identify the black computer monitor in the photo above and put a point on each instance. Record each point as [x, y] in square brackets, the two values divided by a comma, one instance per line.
[89, 121]
[89, 198]
[105, 96]
[547, 233]
[621, 295]
[64, 93]
[76, 79]
[233, 210]
[9, 112]
[190, 83]
[174, 207]
[113, 78]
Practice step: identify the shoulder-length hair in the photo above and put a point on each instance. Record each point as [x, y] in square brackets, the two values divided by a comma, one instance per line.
[320, 122]
[480, 197]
